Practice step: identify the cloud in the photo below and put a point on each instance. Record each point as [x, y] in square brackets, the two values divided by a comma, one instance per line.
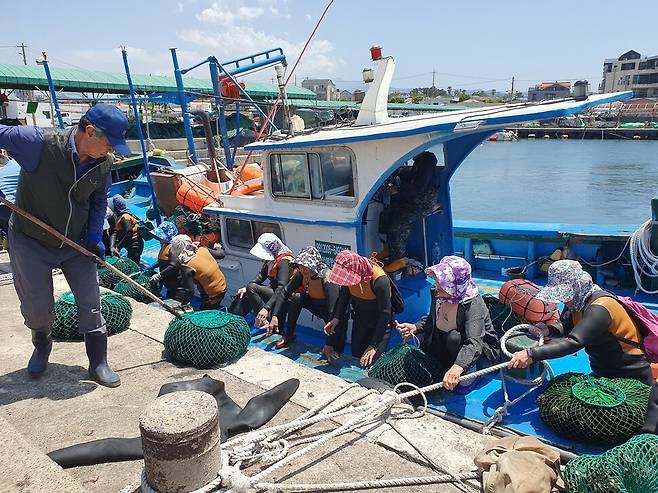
[309, 17]
[319, 60]
[228, 12]
[141, 61]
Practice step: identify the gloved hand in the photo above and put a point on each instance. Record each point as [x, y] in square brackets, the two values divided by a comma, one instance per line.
[154, 282]
[95, 244]
[97, 249]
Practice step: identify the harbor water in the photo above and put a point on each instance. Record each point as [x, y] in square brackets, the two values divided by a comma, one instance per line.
[558, 181]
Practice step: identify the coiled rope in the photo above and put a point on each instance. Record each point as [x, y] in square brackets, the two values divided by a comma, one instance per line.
[643, 261]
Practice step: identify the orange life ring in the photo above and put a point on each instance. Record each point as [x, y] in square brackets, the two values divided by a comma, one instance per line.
[248, 187]
[194, 196]
[520, 295]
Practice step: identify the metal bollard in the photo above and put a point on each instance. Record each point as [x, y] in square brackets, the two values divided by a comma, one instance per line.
[180, 438]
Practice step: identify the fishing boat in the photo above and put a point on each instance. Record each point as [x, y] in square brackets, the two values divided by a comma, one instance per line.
[320, 187]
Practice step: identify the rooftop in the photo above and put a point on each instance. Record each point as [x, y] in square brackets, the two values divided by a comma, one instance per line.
[78, 80]
[451, 121]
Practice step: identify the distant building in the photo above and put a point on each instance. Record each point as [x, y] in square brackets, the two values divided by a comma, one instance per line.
[324, 89]
[631, 72]
[346, 96]
[359, 95]
[549, 90]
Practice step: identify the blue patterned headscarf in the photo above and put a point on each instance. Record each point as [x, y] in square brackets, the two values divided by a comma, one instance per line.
[118, 204]
[166, 231]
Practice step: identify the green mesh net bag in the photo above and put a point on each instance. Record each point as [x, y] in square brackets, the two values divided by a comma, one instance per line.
[127, 289]
[108, 278]
[116, 311]
[406, 363]
[595, 410]
[631, 467]
[206, 338]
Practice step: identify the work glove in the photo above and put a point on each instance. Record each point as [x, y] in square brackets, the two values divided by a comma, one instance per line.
[154, 282]
[95, 245]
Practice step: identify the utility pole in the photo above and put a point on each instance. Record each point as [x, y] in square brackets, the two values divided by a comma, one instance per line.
[30, 94]
[512, 92]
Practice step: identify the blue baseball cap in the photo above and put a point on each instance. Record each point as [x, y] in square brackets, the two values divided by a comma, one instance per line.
[113, 123]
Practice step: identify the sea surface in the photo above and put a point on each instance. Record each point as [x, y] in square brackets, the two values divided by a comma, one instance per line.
[558, 181]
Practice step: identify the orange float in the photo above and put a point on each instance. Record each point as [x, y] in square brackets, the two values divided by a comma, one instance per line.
[249, 171]
[520, 295]
[207, 240]
[194, 196]
[229, 90]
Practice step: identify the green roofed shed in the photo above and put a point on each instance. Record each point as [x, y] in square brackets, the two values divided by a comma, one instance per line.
[78, 80]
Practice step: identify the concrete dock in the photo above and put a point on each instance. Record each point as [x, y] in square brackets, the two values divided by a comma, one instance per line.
[64, 408]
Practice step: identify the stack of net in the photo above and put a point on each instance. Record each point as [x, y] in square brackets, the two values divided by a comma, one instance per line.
[108, 278]
[127, 289]
[502, 316]
[206, 338]
[406, 363]
[596, 410]
[116, 311]
[628, 468]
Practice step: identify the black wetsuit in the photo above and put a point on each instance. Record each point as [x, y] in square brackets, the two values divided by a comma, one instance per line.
[319, 298]
[608, 357]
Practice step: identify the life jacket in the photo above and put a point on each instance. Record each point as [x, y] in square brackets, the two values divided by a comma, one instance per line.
[633, 325]
[363, 290]
[163, 254]
[274, 271]
[134, 222]
[207, 273]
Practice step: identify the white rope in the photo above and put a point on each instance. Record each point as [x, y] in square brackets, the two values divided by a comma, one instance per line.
[363, 485]
[267, 446]
[643, 261]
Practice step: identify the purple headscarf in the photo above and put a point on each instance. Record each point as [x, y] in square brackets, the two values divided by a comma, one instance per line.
[453, 275]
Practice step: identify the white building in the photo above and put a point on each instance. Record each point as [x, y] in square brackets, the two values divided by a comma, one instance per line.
[324, 89]
[633, 72]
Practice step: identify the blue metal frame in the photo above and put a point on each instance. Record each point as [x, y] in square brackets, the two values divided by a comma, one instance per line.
[271, 57]
[53, 94]
[182, 101]
[140, 135]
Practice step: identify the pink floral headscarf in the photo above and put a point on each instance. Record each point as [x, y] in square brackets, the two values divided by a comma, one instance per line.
[453, 275]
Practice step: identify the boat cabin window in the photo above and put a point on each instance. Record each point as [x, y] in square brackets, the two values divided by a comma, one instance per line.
[327, 175]
[243, 233]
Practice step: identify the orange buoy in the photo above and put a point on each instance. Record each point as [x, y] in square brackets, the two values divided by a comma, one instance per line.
[520, 295]
[194, 196]
[493, 138]
[248, 187]
[228, 89]
[207, 239]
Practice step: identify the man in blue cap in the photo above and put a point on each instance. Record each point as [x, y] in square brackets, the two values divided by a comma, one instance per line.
[64, 181]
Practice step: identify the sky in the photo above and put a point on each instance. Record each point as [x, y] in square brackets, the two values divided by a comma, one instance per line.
[470, 44]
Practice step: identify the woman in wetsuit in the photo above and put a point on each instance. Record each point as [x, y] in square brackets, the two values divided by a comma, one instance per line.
[369, 291]
[458, 331]
[126, 234]
[308, 288]
[198, 267]
[256, 295]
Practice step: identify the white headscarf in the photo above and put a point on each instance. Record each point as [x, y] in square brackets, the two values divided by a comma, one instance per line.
[183, 248]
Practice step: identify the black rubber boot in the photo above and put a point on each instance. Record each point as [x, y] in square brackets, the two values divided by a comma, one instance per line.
[43, 344]
[99, 370]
